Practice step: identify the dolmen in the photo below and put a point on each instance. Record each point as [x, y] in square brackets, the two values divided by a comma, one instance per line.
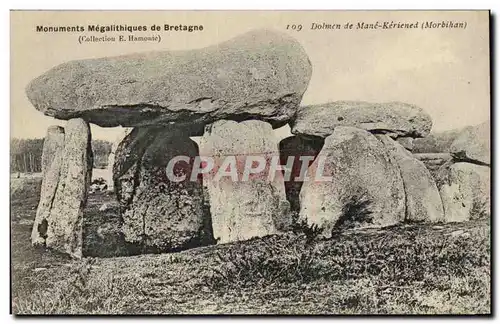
[233, 93]
[348, 164]
[369, 179]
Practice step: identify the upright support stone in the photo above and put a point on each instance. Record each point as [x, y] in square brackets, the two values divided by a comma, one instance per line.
[397, 119]
[244, 205]
[352, 183]
[52, 154]
[127, 162]
[64, 231]
[160, 214]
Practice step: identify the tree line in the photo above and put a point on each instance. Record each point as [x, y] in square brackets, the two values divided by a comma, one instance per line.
[26, 154]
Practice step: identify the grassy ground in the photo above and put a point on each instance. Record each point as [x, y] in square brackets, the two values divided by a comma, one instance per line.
[417, 269]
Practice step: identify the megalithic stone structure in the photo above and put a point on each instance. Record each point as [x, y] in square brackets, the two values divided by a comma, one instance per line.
[243, 205]
[64, 223]
[52, 157]
[160, 214]
[360, 186]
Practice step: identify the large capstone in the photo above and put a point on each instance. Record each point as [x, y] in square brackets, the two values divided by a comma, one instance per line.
[393, 118]
[352, 183]
[296, 155]
[160, 213]
[465, 191]
[64, 222]
[244, 204]
[473, 145]
[258, 75]
[52, 154]
[423, 202]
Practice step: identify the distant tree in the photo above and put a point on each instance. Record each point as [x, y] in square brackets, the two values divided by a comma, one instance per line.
[26, 154]
[101, 151]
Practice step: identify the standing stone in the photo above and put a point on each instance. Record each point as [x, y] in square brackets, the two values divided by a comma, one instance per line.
[473, 145]
[423, 202]
[64, 231]
[363, 186]
[465, 191]
[111, 157]
[243, 209]
[158, 213]
[298, 148]
[433, 161]
[52, 154]
[54, 141]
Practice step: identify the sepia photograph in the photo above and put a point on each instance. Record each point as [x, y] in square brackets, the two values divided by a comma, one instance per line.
[250, 162]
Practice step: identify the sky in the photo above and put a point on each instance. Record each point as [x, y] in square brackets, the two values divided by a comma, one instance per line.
[444, 71]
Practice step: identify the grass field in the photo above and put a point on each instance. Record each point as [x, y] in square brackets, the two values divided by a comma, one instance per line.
[416, 269]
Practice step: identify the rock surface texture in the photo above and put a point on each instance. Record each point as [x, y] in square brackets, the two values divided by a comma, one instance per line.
[365, 187]
[465, 191]
[111, 157]
[64, 222]
[52, 157]
[473, 145]
[356, 156]
[393, 118]
[433, 161]
[258, 75]
[242, 209]
[158, 213]
[423, 202]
